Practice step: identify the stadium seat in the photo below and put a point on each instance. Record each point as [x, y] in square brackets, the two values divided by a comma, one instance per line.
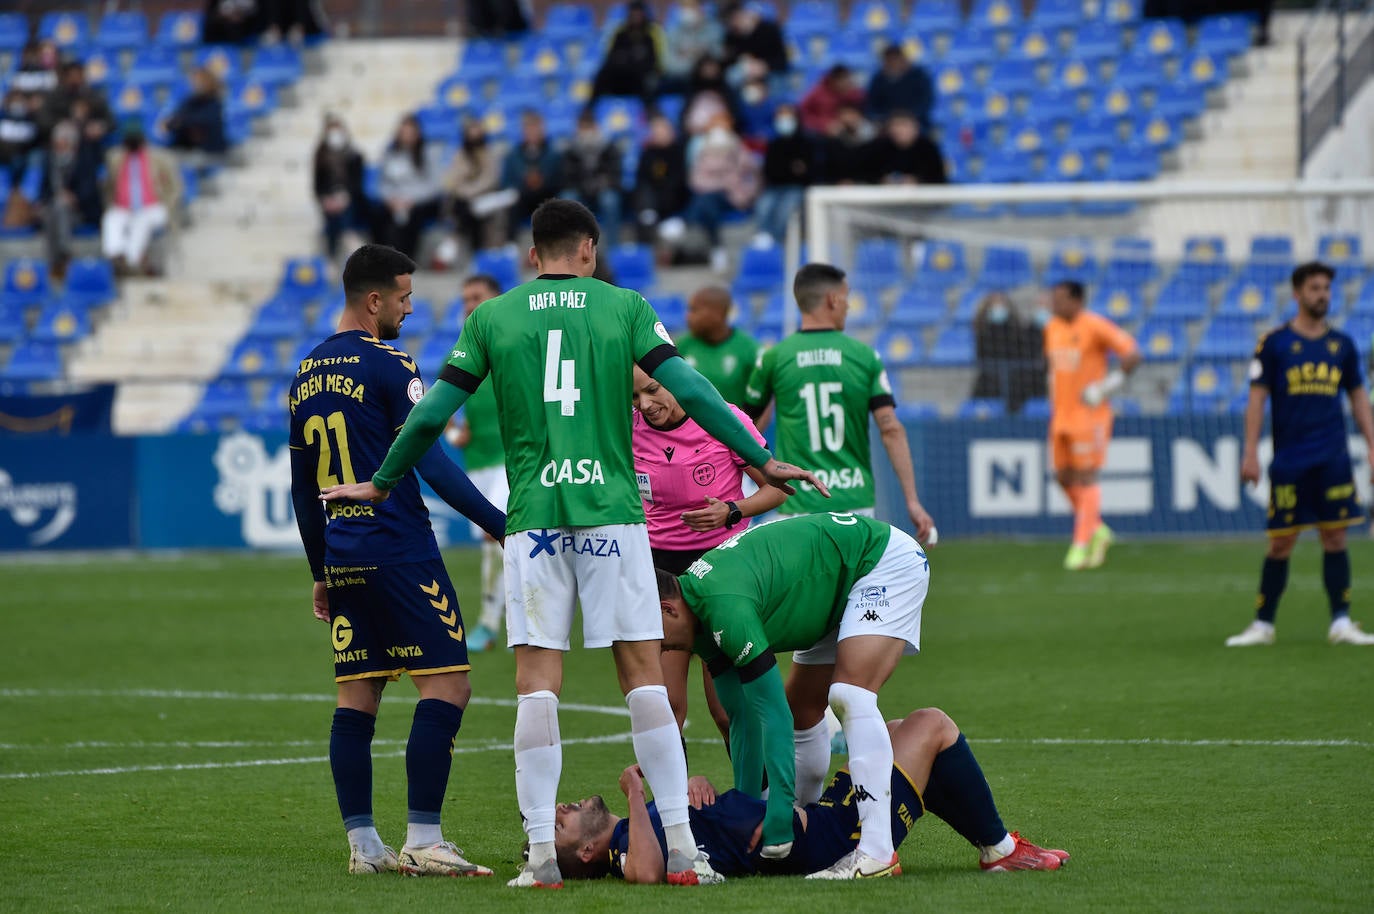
[633, 266]
[1157, 130]
[620, 118]
[326, 322]
[434, 352]
[1005, 267]
[1098, 40]
[14, 33]
[13, 322]
[66, 30]
[1122, 11]
[1131, 162]
[569, 21]
[178, 30]
[1339, 250]
[61, 322]
[943, 264]
[1206, 387]
[878, 261]
[953, 347]
[277, 65]
[1204, 69]
[438, 124]
[1227, 337]
[1180, 98]
[122, 31]
[760, 270]
[129, 100]
[542, 58]
[457, 93]
[1271, 260]
[421, 321]
[936, 15]
[1015, 77]
[995, 14]
[1361, 330]
[282, 317]
[1182, 299]
[251, 97]
[1035, 408]
[980, 408]
[1161, 38]
[1162, 341]
[1204, 259]
[101, 67]
[500, 264]
[972, 47]
[1072, 259]
[152, 67]
[918, 411]
[304, 279]
[33, 361]
[253, 358]
[1228, 35]
[672, 311]
[900, 347]
[483, 59]
[874, 18]
[1057, 14]
[26, 282]
[1121, 305]
[224, 398]
[865, 303]
[1130, 269]
[917, 307]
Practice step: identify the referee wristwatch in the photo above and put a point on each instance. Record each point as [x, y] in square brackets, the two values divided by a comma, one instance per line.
[734, 516]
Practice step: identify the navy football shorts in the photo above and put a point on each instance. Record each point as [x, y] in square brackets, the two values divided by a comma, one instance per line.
[832, 824]
[395, 619]
[1316, 496]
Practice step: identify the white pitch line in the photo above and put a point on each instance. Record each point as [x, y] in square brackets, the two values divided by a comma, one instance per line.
[490, 746]
[1187, 743]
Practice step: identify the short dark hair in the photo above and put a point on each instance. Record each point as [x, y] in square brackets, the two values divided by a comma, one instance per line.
[812, 282]
[485, 279]
[668, 586]
[572, 866]
[374, 268]
[1072, 287]
[560, 225]
[1303, 272]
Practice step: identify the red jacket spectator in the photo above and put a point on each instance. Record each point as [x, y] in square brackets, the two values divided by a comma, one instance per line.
[835, 90]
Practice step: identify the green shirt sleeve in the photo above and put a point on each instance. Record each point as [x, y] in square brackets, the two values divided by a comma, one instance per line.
[700, 400]
[746, 739]
[423, 427]
[732, 622]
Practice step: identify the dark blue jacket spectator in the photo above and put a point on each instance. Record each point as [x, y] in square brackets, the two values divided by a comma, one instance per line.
[198, 122]
[531, 169]
[900, 85]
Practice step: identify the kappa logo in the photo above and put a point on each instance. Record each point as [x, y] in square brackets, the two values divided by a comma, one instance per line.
[716, 636]
[669, 452]
[871, 616]
[861, 793]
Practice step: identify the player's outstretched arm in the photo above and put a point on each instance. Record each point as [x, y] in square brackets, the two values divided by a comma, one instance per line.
[456, 489]
[644, 863]
[423, 427]
[898, 448]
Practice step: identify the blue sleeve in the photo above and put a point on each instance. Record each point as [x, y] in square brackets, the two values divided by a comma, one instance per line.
[453, 486]
[305, 498]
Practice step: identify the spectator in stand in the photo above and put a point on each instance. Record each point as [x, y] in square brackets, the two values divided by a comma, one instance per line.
[74, 100]
[694, 36]
[36, 73]
[591, 175]
[843, 148]
[1009, 353]
[749, 35]
[231, 21]
[634, 57]
[142, 190]
[474, 177]
[904, 155]
[197, 124]
[722, 174]
[410, 190]
[292, 20]
[757, 106]
[708, 97]
[660, 189]
[789, 167]
[69, 193]
[820, 107]
[531, 169]
[19, 147]
[496, 18]
[338, 184]
[900, 84]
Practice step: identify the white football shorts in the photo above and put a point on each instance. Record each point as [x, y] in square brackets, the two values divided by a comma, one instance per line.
[492, 483]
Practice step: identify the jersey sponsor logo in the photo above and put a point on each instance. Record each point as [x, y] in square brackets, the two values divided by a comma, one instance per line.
[341, 632]
[309, 364]
[415, 390]
[699, 569]
[811, 358]
[870, 615]
[257, 486]
[582, 472]
[703, 474]
[408, 650]
[1318, 378]
[554, 542]
[48, 506]
[662, 332]
[739, 658]
[457, 354]
[564, 298]
[843, 478]
[337, 509]
[876, 596]
[716, 636]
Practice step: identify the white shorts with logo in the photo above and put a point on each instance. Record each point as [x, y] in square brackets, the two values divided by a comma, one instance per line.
[495, 488]
[886, 601]
[608, 568]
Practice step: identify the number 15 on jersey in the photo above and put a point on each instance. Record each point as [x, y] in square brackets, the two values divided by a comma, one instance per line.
[560, 377]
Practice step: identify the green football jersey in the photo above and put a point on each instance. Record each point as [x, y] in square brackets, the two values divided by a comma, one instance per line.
[560, 352]
[484, 444]
[824, 385]
[780, 586]
[726, 364]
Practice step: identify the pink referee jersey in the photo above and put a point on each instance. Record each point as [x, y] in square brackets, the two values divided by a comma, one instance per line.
[677, 468]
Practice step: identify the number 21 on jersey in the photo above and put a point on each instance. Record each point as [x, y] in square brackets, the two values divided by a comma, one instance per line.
[560, 377]
[317, 429]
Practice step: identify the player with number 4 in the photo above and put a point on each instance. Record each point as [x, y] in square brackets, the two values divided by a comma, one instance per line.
[560, 352]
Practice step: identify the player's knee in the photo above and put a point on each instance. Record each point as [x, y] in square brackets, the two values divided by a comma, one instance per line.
[1281, 547]
[936, 723]
[1333, 540]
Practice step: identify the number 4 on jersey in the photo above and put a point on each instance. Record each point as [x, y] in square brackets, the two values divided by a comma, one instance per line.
[560, 377]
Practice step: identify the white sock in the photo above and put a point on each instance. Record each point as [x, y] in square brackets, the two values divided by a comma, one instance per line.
[991, 853]
[421, 835]
[813, 761]
[870, 765]
[365, 840]
[538, 766]
[493, 588]
[658, 749]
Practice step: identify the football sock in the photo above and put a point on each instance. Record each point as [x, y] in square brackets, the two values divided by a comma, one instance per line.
[1087, 513]
[958, 793]
[1273, 579]
[365, 840]
[1336, 577]
[658, 749]
[350, 760]
[493, 592]
[870, 765]
[538, 766]
[429, 755]
[813, 761]
[994, 852]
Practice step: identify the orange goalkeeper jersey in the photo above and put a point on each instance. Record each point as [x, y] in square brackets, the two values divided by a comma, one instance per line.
[1077, 354]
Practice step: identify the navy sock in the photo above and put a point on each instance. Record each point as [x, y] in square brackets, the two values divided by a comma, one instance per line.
[1336, 577]
[350, 758]
[429, 755]
[1273, 579]
[958, 793]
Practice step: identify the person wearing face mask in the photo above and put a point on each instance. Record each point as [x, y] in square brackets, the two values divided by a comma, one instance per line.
[691, 37]
[757, 107]
[411, 195]
[474, 173]
[592, 175]
[338, 183]
[722, 173]
[142, 189]
[69, 193]
[789, 167]
[660, 187]
[1007, 351]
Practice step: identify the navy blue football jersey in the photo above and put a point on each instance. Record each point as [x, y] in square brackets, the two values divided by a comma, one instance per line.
[350, 397]
[723, 830]
[1306, 379]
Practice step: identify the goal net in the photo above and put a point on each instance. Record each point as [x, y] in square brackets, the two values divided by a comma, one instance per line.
[950, 285]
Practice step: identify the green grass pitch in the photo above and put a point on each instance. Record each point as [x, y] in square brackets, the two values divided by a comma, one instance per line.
[166, 724]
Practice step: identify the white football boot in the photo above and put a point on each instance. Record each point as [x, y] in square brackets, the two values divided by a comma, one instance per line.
[1256, 633]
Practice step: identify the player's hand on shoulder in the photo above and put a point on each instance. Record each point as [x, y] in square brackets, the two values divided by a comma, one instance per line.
[700, 792]
[319, 597]
[357, 491]
[779, 474]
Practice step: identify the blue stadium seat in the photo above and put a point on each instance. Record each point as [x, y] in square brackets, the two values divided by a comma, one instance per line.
[1364, 301]
[129, 100]
[421, 321]
[277, 65]
[972, 47]
[878, 261]
[564, 21]
[933, 15]
[33, 361]
[633, 266]
[153, 66]
[760, 270]
[326, 322]
[13, 322]
[918, 411]
[304, 279]
[1122, 11]
[1015, 77]
[1035, 408]
[501, 124]
[1036, 44]
[253, 358]
[1057, 14]
[1098, 40]
[1209, 383]
[1130, 269]
[483, 59]
[1181, 99]
[1271, 259]
[178, 30]
[1120, 304]
[672, 311]
[66, 30]
[1117, 102]
[14, 32]
[251, 97]
[980, 408]
[120, 31]
[1204, 69]
[1072, 258]
[1162, 341]
[995, 14]
[1162, 38]
[432, 355]
[1181, 299]
[953, 347]
[500, 264]
[1228, 336]
[620, 118]
[457, 93]
[439, 124]
[225, 398]
[943, 264]
[1157, 131]
[966, 307]
[279, 318]
[809, 17]
[101, 67]
[1340, 250]
[543, 58]
[917, 307]
[219, 60]
[865, 304]
[1132, 162]
[1361, 330]
[1005, 267]
[1228, 35]
[1204, 259]
[451, 319]
[26, 282]
[1141, 73]
[60, 322]
[873, 18]
[91, 280]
